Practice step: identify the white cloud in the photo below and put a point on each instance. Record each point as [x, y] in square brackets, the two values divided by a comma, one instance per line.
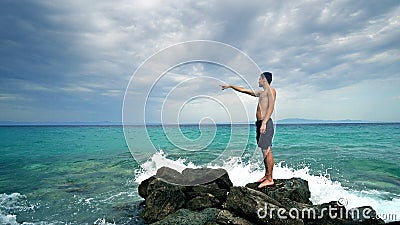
[113, 93]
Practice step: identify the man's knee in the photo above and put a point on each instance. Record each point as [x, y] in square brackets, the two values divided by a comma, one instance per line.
[268, 150]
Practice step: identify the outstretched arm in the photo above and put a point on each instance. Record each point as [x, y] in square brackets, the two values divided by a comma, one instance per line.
[239, 89]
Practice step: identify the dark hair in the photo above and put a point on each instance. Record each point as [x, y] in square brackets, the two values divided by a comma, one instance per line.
[268, 76]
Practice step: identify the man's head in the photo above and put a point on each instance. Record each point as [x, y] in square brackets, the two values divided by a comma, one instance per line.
[265, 77]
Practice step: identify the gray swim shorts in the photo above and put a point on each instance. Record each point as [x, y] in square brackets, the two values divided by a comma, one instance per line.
[265, 140]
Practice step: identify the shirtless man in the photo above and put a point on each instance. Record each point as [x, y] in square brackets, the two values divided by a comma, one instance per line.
[265, 126]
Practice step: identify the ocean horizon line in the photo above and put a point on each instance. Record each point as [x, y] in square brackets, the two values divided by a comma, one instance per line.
[111, 123]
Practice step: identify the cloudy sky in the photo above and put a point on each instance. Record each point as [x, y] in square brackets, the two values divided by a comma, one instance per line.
[66, 61]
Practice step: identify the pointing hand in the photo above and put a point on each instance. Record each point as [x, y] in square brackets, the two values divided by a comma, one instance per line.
[223, 87]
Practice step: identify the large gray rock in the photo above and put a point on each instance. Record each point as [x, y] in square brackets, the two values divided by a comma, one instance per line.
[257, 207]
[163, 196]
[295, 189]
[194, 177]
[170, 175]
[198, 176]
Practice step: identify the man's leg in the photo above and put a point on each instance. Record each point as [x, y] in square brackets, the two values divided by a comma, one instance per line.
[264, 152]
[269, 166]
[258, 124]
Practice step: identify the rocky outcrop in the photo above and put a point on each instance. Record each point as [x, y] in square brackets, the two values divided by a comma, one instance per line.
[191, 197]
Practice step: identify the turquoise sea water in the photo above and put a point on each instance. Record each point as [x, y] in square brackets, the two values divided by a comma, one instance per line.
[87, 175]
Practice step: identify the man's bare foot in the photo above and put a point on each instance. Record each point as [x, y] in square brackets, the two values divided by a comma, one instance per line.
[266, 183]
[262, 179]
